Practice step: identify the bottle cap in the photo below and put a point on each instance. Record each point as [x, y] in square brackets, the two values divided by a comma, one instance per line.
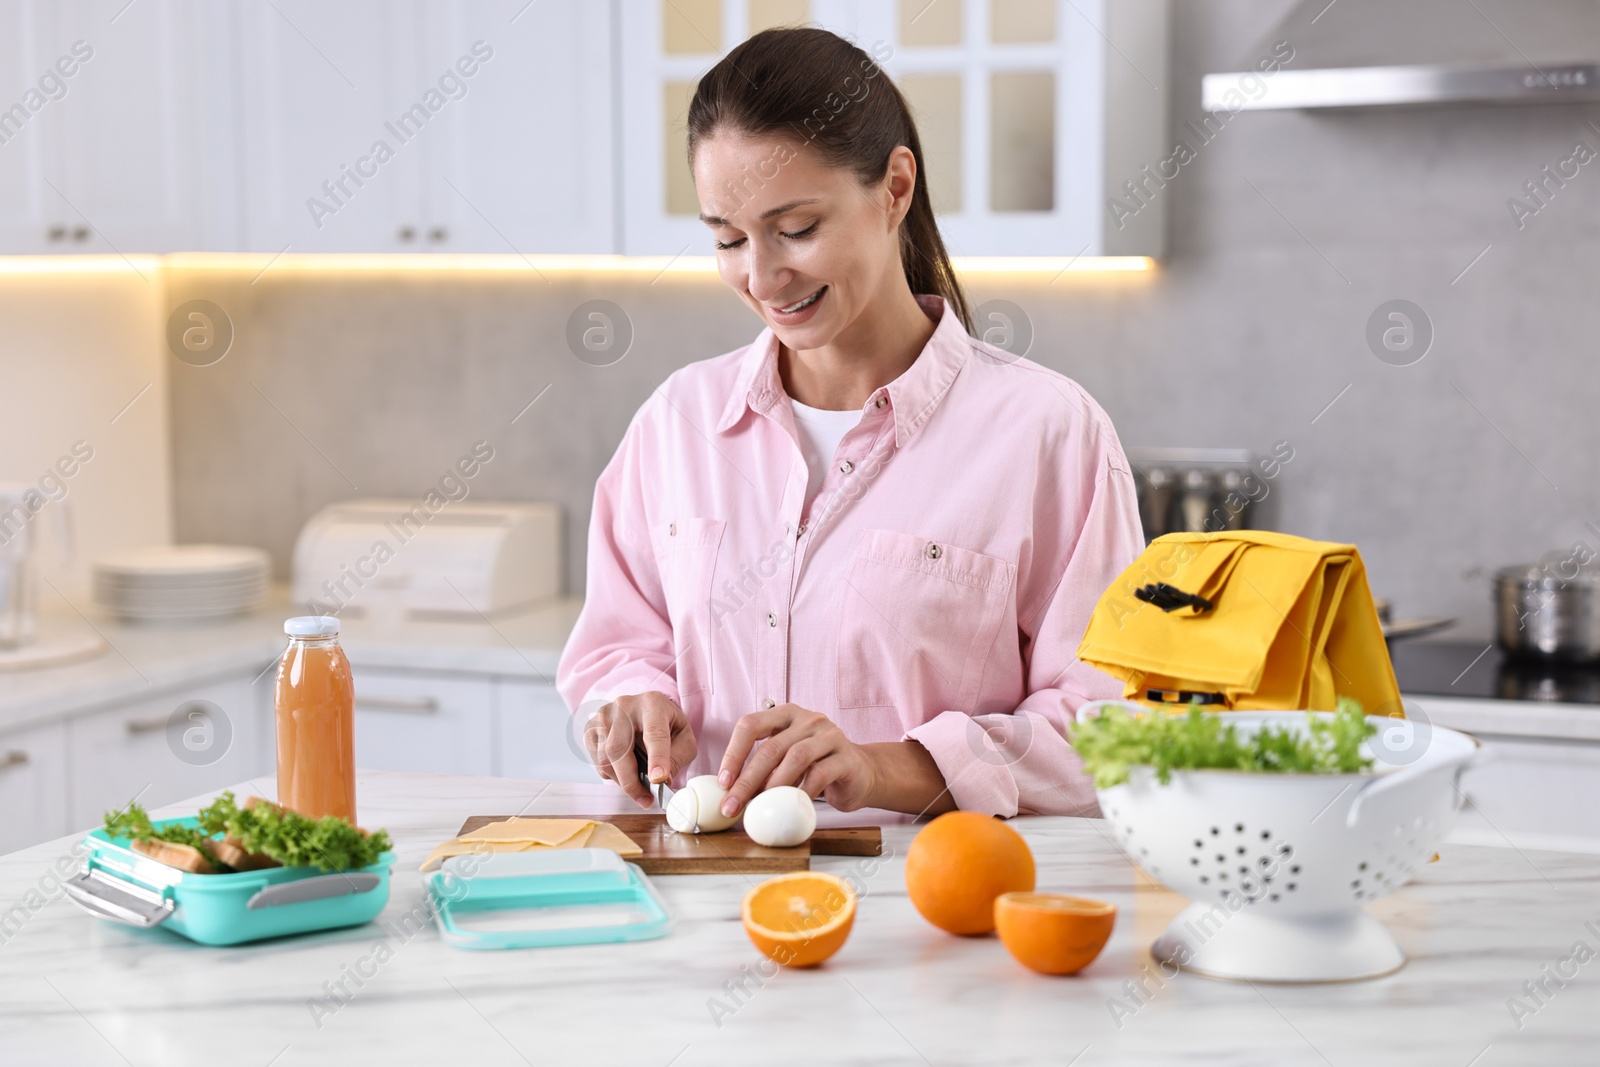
[312, 626]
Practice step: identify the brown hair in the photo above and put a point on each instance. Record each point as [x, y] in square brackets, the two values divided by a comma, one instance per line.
[834, 97]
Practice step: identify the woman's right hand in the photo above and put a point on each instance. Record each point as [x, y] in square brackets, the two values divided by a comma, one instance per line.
[669, 742]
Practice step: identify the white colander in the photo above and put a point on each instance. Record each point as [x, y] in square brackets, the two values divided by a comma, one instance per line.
[1279, 865]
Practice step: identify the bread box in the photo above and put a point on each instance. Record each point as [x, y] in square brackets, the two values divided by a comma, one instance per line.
[461, 559]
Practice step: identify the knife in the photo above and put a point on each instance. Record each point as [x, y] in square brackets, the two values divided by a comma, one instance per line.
[640, 762]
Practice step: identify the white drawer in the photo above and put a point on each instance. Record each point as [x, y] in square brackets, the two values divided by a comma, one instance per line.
[1534, 794]
[33, 786]
[136, 750]
[416, 721]
[538, 737]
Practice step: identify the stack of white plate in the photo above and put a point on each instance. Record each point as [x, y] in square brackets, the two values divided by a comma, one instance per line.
[177, 582]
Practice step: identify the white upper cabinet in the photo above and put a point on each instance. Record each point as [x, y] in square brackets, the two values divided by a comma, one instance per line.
[105, 142]
[460, 126]
[552, 126]
[523, 158]
[334, 152]
[1031, 113]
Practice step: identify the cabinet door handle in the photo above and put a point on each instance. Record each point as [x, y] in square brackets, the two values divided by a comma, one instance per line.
[57, 233]
[408, 705]
[145, 726]
[438, 233]
[407, 233]
[80, 233]
[15, 758]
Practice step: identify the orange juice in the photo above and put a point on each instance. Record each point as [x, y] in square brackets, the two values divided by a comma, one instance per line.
[315, 703]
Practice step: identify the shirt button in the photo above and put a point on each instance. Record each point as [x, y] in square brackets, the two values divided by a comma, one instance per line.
[882, 400]
[768, 704]
[846, 467]
[933, 551]
[672, 529]
[801, 530]
[772, 620]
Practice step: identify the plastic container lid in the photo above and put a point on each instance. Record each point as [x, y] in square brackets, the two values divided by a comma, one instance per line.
[312, 626]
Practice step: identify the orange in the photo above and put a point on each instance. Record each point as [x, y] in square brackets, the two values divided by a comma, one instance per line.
[959, 863]
[1052, 933]
[799, 919]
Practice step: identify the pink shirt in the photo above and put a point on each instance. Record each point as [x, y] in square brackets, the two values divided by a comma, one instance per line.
[936, 589]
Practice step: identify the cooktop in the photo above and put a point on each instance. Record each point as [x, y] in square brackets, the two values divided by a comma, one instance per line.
[1482, 670]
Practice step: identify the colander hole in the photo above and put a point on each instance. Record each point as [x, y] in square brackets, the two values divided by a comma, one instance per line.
[1264, 861]
[1198, 843]
[1221, 858]
[1361, 866]
[1238, 827]
[1290, 887]
[1294, 868]
[1265, 834]
[1194, 861]
[1356, 884]
[1274, 896]
[1244, 870]
[1240, 850]
[1144, 852]
[1205, 879]
[1214, 831]
[1222, 876]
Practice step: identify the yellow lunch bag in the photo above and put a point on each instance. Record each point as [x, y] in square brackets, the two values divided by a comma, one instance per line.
[1248, 620]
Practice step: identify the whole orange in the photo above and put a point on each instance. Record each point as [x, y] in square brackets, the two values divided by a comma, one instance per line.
[799, 919]
[959, 863]
[1051, 933]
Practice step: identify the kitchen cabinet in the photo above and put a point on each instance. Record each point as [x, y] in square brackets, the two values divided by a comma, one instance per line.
[537, 735]
[33, 786]
[135, 750]
[109, 136]
[1534, 793]
[376, 126]
[424, 721]
[523, 161]
[322, 86]
[1031, 113]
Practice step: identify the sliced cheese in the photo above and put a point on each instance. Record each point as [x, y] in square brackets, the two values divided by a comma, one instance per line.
[608, 836]
[548, 832]
[589, 835]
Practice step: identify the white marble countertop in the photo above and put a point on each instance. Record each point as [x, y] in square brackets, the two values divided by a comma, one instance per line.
[1476, 925]
[148, 658]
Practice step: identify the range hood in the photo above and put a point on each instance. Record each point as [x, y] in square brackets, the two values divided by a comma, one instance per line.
[1418, 53]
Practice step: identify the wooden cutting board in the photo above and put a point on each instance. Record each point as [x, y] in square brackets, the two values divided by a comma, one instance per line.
[728, 852]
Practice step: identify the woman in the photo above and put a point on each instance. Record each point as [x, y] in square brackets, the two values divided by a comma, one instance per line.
[858, 555]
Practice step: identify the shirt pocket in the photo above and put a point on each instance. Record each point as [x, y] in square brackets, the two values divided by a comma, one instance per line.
[686, 557]
[917, 621]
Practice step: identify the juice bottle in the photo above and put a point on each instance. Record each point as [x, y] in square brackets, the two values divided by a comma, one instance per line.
[315, 704]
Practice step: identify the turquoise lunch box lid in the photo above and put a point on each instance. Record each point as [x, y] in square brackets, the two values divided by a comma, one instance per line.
[579, 896]
[124, 886]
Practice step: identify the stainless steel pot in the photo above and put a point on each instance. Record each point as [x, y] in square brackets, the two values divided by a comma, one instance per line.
[1544, 616]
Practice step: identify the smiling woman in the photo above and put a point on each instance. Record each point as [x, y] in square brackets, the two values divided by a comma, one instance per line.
[856, 556]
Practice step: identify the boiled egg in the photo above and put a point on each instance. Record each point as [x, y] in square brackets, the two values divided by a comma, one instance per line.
[780, 817]
[697, 807]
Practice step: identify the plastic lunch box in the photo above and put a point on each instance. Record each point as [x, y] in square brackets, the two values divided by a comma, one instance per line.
[122, 885]
[579, 896]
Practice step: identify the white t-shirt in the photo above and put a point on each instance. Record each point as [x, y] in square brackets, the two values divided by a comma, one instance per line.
[821, 431]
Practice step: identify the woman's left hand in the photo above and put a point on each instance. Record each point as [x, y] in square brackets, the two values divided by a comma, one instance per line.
[798, 747]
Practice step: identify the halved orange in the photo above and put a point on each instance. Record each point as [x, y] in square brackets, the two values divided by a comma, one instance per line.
[799, 919]
[1052, 933]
